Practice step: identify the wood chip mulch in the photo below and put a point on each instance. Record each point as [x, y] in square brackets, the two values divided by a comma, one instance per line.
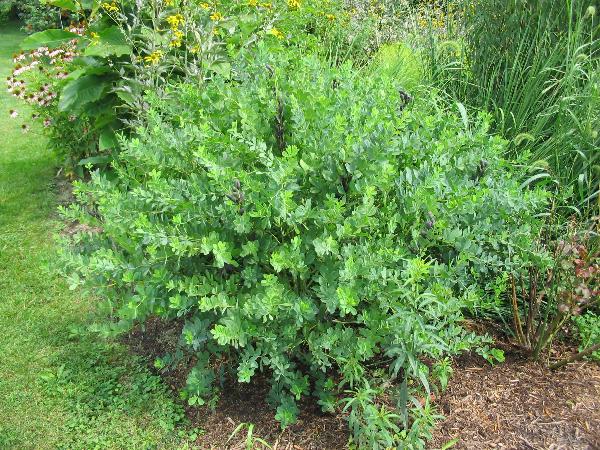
[521, 405]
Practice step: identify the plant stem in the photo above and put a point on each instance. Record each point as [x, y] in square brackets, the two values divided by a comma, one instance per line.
[516, 316]
[576, 356]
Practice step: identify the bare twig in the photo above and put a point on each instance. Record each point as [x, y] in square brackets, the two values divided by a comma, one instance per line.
[576, 356]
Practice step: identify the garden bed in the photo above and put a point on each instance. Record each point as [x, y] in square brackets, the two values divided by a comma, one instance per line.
[515, 405]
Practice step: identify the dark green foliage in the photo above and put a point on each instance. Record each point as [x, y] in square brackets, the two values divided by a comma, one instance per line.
[34, 15]
[7, 11]
[311, 224]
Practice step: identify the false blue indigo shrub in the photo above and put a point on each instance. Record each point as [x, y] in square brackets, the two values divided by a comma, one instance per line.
[311, 224]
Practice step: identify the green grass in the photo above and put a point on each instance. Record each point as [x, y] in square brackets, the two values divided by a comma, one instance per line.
[59, 387]
[536, 69]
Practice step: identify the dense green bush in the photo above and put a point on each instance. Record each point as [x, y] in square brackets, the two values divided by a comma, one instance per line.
[309, 224]
[7, 11]
[35, 15]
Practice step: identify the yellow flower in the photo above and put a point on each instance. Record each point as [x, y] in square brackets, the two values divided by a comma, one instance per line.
[330, 17]
[216, 16]
[294, 4]
[252, 2]
[275, 32]
[94, 38]
[175, 21]
[195, 49]
[110, 7]
[204, 5]
[154, 57]
[170, 2]
[177, 38]
[266, 5]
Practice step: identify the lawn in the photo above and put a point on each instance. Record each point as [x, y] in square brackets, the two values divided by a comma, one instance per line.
[59, 387]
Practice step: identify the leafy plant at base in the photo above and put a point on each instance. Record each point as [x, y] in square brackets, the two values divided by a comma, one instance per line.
[308, 224]
[251, 441]
[588, 328]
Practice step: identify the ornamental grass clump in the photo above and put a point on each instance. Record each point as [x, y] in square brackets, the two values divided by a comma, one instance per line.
[310, 224]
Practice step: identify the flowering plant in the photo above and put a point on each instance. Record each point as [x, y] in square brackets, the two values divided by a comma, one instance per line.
[98, 71]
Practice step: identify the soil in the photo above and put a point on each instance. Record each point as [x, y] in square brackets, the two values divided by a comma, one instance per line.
[514, 405]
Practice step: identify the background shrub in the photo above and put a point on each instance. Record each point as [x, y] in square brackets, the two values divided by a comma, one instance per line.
[310, 224]
[7, 11]
[35, 15]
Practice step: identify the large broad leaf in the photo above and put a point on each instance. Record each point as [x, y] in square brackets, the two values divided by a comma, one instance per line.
[108, 139]
[79, 92]
[49, 38]
[90, 4]
[111, 41]
[71, 5]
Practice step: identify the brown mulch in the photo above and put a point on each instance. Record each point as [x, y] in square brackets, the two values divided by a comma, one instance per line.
[514, 405]
[520, 405]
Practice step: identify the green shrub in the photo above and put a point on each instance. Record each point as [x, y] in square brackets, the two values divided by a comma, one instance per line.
[7, 10]
[34, 14]
[309, 224]
[38, 16]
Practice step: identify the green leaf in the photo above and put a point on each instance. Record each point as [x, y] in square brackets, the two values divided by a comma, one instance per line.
[107, 140]
[403, 400]
[71, 5]
[49, 38]
[83, 90]
[348, 300]
[287, 412]
[449, 444]
[463, 114]
[111, 41]
[533, 179]
[94, 160]
[90, 4]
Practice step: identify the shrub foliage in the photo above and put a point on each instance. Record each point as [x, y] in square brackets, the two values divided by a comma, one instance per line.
[310, 224]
